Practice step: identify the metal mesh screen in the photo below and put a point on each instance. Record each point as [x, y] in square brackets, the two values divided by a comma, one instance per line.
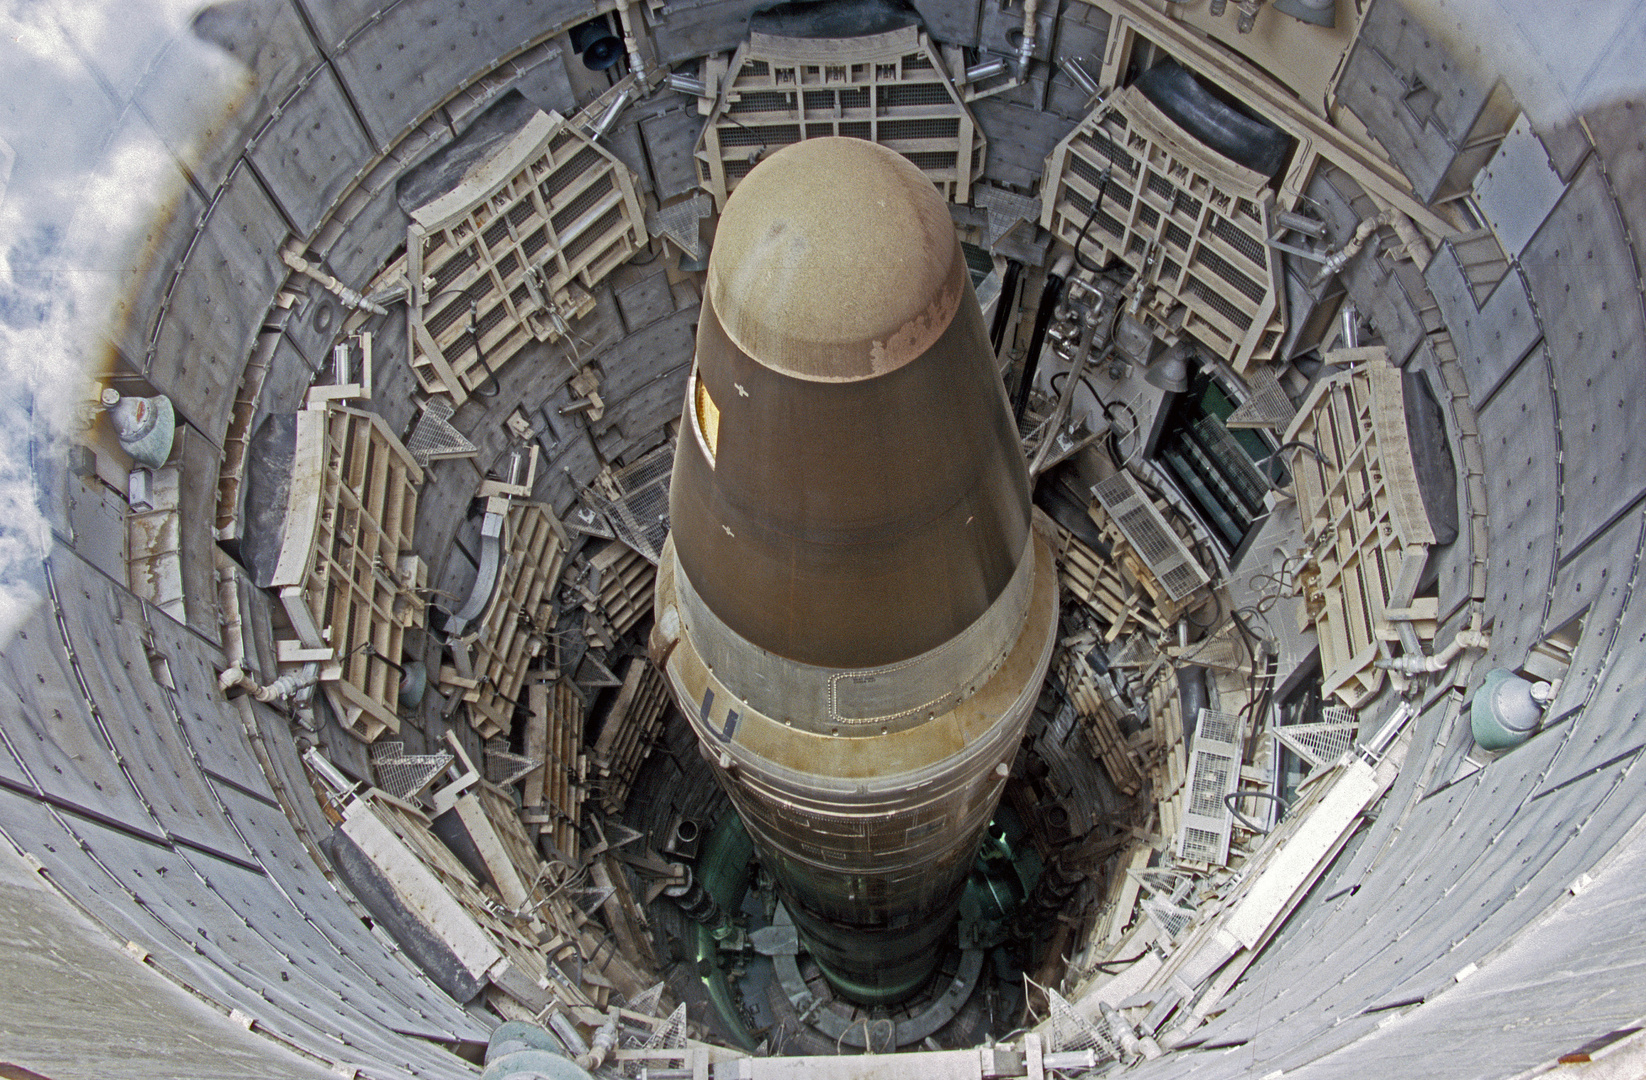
[640, 514]
[403, 775]
[1065, 1029]
[1324, 742]
[647, 1001]
[671, 1034]
[1268, 407]
[435, 437]
[504, 768]
[1171, 919]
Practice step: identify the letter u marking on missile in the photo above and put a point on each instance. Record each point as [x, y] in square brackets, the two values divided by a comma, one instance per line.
[725, 733]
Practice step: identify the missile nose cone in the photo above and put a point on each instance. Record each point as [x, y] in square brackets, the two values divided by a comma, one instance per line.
[835, 260]
[850, 490]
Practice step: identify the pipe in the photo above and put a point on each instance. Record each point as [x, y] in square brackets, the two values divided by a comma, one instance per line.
[605, 1039]
[1351, 327]
[1340, 258]
[1300, 223]
[987, 69]
[1082, 78]
[1031, 30]
[485, 578]
[562, 1026]
[1467, 638]
[637, 65]
[687, 84]
[1130, 1048]
[285, 686]
[1070, 1060]
[341, 786]
[1417, 248]
[349, 297]
[1006, 311]
[609, 117]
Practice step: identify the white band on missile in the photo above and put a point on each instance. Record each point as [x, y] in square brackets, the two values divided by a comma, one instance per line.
[862, 701]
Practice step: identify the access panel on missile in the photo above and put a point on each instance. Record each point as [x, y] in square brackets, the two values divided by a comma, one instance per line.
[853, 610]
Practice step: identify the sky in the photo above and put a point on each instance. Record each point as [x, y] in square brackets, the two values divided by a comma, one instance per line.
[85, 158]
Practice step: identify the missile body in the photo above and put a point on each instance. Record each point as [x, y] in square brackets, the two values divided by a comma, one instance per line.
[853, 610]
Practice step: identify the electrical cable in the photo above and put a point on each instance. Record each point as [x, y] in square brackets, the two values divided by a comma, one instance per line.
[1091, 215]
[473, 333]
[1105, 965]
[1295, 444]
[1232, 799]
[1217, 610]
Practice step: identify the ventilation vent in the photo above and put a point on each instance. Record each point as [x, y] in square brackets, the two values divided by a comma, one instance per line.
[1172, 564]
[1214, 773]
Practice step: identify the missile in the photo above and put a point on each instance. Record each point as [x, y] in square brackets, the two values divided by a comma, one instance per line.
[853, 611]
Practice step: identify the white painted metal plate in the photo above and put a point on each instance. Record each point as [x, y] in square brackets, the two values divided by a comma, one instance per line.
[1517, 188]
[1300, 859]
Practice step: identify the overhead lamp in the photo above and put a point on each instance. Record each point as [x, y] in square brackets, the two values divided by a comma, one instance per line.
[1169, 372]
[414, 683]
[596, 43]
[1316, 12]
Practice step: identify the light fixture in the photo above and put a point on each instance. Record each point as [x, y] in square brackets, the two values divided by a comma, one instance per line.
[596, 43]
[1317, 12]
[1168, 372]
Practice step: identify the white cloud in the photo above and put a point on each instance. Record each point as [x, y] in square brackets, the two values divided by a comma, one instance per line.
[90, 179]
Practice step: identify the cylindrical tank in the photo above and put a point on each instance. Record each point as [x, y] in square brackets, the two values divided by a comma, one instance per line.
[853, 610]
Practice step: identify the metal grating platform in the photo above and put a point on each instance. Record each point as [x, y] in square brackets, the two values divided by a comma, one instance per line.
[1268, 407]
[434, 437]
[1066, 1029]
[1324, 742]
[406, 776]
